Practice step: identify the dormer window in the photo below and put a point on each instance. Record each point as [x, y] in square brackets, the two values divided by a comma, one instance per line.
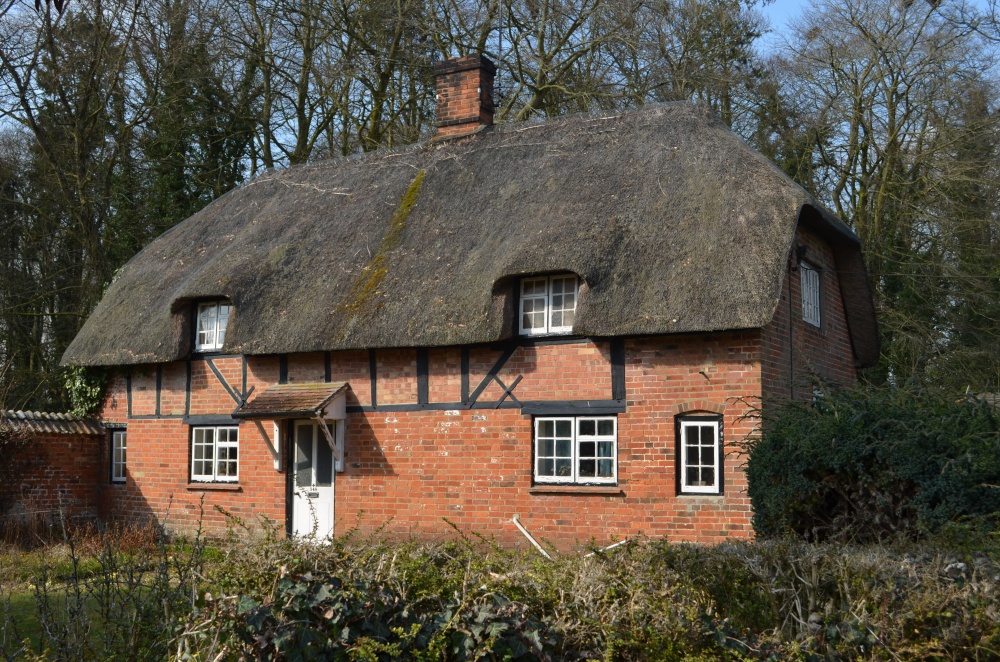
[213, 318]
[548, 305]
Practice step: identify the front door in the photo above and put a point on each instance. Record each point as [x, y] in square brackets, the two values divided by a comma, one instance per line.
[312, 487]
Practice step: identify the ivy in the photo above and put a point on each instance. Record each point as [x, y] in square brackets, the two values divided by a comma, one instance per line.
[85, 387]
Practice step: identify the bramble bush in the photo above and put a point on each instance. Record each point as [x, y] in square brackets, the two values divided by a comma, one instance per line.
[367, 599]
[876, 464]
[258, 596]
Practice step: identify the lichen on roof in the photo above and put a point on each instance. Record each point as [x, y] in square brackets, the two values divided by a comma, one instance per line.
[671, 221]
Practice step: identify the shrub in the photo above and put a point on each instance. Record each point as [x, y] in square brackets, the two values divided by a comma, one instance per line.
[465, 600]
[870, 464]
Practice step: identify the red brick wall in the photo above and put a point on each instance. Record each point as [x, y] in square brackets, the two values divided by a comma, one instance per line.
[157, 481]
[797, 353]
[414, 469]
[408, 471]
[61, 474]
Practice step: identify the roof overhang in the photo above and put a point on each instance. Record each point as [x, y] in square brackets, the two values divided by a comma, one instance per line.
[326, 400]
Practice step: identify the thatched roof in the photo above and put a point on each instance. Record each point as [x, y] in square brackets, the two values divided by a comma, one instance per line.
[672, 222]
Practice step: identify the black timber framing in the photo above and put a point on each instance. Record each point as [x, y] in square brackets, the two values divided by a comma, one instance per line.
[373, 377]
[422, 376]
[528, 407]
[465, 375]
[159, 386]
[617, 368]
[616, 404]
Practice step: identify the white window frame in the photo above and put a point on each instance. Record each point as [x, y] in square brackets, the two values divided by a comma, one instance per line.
[119, 442]
[212, 336]
[575, 439]
[546, 300]
[215, 461]
[812, 296]
[684, 424]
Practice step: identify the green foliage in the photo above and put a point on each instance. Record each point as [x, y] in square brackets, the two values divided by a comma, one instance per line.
[367, 599]
[133, 594]
[85, 387]
[875, 464]
[120, 593]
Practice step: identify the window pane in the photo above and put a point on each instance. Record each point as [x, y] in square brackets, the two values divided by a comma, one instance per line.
[708, 435]
[546, 428]
[692, 455]
[707, 476]
[534, 286]
[707, 455]
[533, 320]
[605, 428]
[564, 468]
[221, 337]
[605, 449]
[546, 447]
[207, 324]
[588, 426]
[563, 448]
[605, 468]
[692, 476]
[588, 468]
[563, 302]
[303, 455]
[324, 461]
[564, 428]
[587, 448]
[546, 467]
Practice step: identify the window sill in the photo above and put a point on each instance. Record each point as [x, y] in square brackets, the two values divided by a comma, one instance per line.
[595, 490]
[215, 487]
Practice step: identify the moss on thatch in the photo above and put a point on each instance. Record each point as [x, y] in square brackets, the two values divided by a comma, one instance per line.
[372, 273]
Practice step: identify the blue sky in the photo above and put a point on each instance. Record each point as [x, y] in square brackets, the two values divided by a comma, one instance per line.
[778, 13]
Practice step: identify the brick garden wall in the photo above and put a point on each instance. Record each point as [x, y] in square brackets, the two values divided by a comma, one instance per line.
[59, 475]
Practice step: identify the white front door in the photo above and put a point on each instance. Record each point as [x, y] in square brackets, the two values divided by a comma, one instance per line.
[313, 478]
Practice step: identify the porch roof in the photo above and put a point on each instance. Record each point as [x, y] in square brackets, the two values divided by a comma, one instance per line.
[303, 400]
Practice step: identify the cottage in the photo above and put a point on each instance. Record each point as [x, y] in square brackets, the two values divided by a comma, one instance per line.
[558, 322]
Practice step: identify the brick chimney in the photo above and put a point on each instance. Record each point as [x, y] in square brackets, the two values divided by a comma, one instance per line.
[464, 94]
